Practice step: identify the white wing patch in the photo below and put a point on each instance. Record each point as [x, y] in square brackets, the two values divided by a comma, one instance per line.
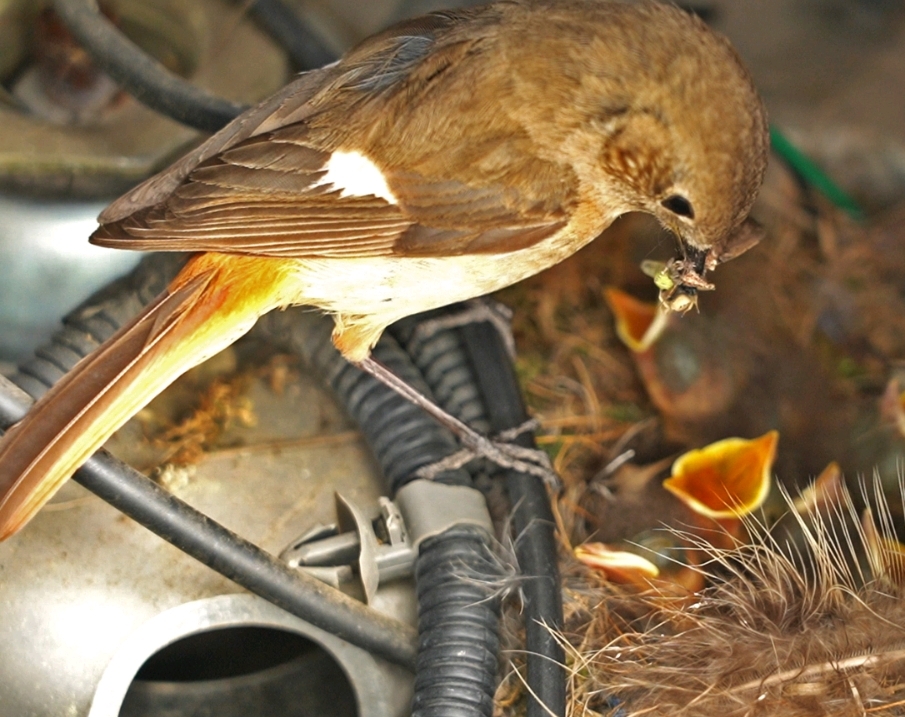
[356, 176]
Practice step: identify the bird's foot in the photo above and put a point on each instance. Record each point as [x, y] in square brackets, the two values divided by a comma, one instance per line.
[474, 445]
[499, 451]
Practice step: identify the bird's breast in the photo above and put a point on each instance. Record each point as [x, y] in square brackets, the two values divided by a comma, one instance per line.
[391, 287]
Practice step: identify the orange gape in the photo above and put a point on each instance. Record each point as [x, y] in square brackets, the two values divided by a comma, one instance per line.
[442, 159]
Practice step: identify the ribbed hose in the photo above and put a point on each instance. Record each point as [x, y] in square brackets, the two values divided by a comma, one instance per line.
[458, 625]
[441, 359]
[470, 373]
[456, 573]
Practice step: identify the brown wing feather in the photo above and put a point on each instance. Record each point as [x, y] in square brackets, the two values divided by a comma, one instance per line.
[254, 187]
[293, 99]
[383, 59]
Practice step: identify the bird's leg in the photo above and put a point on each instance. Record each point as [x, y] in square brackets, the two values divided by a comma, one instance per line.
[507, 455]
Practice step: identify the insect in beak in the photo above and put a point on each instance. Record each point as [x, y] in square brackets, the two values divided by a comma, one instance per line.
[680, 279]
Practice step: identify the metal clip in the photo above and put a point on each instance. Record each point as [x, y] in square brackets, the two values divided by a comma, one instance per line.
[384, 548]
[380, 547]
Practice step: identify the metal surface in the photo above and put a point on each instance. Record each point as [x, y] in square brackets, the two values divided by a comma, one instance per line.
[381, 689]
[81, 580]
[47, 266]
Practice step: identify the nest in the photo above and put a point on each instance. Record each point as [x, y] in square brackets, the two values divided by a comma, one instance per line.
[805, 334]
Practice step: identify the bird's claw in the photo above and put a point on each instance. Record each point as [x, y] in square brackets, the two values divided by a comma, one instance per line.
[506, 455]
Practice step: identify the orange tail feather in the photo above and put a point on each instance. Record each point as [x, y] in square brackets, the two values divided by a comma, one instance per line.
[215, 300]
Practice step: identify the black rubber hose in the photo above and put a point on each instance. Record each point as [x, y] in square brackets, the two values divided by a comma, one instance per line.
[477, 384]
[140, 74]
[456, 573]
[306, 51]
[174, 520]
[532, 519]
[471, 373]
[458, 625]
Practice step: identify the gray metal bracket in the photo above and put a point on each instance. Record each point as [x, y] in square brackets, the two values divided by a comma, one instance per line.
[384, 548]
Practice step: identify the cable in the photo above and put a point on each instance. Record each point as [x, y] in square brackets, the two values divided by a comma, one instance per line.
[233, 557]
[305, 49]
[471, 374]
[141, 75]
[532, 519]
[458, 624]
[812, 175]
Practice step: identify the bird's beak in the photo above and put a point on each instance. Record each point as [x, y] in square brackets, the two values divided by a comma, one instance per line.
[694, 257]
[683, 278]
[746, 236]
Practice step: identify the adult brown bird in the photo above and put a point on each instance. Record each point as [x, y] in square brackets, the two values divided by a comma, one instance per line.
[442, 159]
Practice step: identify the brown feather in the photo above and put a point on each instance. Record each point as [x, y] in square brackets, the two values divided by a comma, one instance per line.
[292, 98]
[249, 170]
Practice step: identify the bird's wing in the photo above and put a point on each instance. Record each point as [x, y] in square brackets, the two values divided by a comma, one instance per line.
[262, 185]
[263, 197]
[156, 189]
[378, 62]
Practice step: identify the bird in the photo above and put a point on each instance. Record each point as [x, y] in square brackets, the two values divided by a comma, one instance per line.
[442, 159]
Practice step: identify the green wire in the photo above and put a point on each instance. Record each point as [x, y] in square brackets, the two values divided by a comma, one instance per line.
[813, 175]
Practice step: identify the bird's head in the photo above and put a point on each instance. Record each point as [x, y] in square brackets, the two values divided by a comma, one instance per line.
[690, 148]
[661, 117]
[698, 174]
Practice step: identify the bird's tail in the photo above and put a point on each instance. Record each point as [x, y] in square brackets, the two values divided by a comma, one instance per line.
[214, 300]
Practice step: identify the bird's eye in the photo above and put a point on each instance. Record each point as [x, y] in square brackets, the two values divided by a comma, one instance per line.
[679, 205]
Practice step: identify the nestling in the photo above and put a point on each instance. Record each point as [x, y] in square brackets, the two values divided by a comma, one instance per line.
[442, 159]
